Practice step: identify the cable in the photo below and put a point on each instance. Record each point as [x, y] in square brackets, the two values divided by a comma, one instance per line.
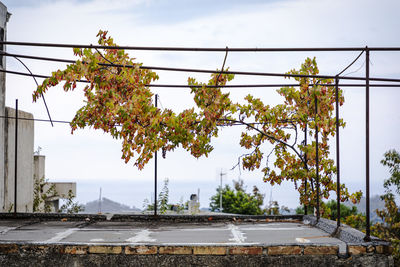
[29, 119]
[354, 61]
[37, 84]
[159, 99]
[69, 122]
[222, 69]
[226, 86]
[250, 73]
[362, 65]
[201, 49]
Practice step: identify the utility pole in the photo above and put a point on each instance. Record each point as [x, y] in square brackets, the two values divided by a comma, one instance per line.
[220, 191]
[100, 201]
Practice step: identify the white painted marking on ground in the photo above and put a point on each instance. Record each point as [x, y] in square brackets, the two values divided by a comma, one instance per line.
[97, 240]
[302, 240]
[202, 229]
[274, 229]
[61, 235]
[238, 237]
[109, 229]
[142, 236]
[7, 229]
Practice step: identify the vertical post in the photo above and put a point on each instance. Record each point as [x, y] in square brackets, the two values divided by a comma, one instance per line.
[100, 202]
[316, 152]
[220, 190]
[337, 152]
[305, 159]
[16, 156]
[155, 172]
[367, 230]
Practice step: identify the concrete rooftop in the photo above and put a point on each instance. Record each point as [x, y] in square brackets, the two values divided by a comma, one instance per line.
[182, 234]
[209, 240]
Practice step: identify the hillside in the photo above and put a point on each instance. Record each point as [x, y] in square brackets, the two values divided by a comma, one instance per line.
[108, 206]
[375, 202]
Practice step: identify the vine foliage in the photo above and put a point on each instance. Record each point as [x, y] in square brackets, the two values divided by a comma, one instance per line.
[118, 100]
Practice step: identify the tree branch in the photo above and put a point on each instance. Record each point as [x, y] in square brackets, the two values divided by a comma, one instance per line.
[268, 136]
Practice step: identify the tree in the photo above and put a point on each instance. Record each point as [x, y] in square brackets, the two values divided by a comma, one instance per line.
[70, 206]
[119, 101]
[274, 209]
[348, 215]
[162, 200]
[42, 192]
[345, 211]
[237, 201]
[389, 229]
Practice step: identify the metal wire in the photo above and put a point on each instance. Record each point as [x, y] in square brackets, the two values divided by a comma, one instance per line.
[225, 86]
[202, 49]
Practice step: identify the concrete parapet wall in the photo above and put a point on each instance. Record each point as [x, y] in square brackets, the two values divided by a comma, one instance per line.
[204, 218]
[150, 255]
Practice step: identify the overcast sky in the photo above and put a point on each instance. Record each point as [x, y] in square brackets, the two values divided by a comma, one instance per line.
[92, 159]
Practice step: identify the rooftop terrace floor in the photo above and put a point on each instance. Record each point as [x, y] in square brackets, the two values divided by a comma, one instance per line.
[182, 234]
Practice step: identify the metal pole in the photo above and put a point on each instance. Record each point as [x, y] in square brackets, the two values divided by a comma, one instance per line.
[155, 172]
[367, 230]
[220, 193]
[316, 152]
[16, 156]
[337, 152]
[305, 178]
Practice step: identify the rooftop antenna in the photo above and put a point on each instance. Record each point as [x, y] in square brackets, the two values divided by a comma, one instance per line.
[37, 152]
[270, 198]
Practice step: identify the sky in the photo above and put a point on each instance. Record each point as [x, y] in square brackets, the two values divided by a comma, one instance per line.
[92, 159]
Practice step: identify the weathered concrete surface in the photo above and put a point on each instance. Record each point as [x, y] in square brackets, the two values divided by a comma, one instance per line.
[4, 15]
[31, 259]
[25, 162]
[96, 241]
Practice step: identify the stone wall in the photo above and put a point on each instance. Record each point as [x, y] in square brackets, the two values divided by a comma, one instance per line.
[141, 255]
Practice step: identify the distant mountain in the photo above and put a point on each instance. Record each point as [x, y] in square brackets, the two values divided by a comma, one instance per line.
[375, 203]
[108, 206]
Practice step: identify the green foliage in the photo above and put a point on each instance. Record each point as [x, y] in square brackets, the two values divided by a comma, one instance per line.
[11, 208]
[42, 192]
[70, 206]
[274, 209]
[162, 200]
[330, 209]
[237, 201]
[357, 221]
[300, 210]
[389, 229]
[348, 215]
